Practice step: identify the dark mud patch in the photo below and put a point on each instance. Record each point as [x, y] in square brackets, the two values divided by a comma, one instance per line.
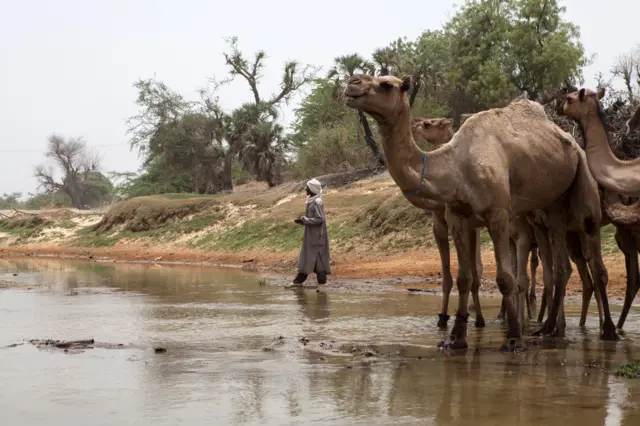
[367, 352]
[79, 346]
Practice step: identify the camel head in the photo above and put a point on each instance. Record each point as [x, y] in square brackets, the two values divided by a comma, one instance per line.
[579, 104]
[383, 97]
[438, 131]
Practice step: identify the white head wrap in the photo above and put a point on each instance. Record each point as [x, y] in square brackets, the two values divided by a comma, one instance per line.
[315, 186]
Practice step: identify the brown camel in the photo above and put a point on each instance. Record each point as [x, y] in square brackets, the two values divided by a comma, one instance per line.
[622, 177]
[439, 131]
[619, 209]
[491, 169]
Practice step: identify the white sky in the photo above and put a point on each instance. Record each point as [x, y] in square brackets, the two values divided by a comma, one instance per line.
[67, 66]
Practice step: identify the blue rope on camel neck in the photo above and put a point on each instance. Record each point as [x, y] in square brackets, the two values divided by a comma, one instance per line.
[424, 172]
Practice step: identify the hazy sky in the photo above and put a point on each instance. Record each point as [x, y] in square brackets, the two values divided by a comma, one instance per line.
[67, 66]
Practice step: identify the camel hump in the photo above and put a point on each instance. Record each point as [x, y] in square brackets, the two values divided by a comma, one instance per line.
[521, 110]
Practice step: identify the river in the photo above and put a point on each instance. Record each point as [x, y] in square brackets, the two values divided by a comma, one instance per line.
[239, 351]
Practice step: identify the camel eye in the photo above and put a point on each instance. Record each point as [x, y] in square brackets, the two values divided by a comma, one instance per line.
[426, 125]
[386, 85]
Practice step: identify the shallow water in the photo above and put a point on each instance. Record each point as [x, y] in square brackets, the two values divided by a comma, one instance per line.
[234, 356]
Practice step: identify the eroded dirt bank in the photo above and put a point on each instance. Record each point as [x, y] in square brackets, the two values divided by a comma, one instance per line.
[375, 234]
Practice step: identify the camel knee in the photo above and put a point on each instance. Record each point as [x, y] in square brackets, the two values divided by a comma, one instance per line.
[504, 279]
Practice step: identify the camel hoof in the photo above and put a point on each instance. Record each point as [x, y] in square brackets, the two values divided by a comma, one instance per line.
[453, 344]
[545, 331]
[609, 334]
[480, 322]
[442, 320]
[513, 345]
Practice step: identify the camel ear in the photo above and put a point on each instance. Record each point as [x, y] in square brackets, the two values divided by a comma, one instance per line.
[406, 84]
[581, 95]
[600, 93]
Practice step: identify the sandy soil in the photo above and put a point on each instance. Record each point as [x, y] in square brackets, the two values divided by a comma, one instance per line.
[410, 269]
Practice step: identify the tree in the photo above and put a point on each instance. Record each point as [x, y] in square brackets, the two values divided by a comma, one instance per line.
[319, 109]
[503, 48]
[81, 179]
[252, 131]
[10, 201]
[344, 68]
[627, 68]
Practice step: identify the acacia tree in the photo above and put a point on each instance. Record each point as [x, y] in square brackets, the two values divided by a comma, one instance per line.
[81, 179]
[253, 132]
[344, 68]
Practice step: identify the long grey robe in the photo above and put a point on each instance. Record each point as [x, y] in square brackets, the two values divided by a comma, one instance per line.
[314, 254]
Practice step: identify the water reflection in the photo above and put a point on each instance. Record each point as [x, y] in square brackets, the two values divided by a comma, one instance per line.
[226, 363]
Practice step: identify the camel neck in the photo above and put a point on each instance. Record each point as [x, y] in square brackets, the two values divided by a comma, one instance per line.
[407, 162]
[609, 171]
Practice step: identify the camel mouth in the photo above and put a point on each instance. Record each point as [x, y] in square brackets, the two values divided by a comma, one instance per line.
[352, 93]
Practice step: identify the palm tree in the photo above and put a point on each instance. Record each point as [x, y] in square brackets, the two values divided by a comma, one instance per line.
[344, 68]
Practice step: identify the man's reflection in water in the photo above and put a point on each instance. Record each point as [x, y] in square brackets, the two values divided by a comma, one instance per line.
[314, 305]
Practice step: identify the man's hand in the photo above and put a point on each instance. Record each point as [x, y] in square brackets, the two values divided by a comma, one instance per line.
[298, 221]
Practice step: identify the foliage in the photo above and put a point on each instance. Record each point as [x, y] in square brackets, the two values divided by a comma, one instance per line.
[508, 47]
[81, 179]
[10, 201]
[332, 149]
[630, 370]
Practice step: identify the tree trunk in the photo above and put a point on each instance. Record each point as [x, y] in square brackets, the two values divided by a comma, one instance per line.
[227, 175]
[414, 93]
[368, 138]
[76, 200]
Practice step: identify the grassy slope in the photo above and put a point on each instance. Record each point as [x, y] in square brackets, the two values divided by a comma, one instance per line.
[369, 217]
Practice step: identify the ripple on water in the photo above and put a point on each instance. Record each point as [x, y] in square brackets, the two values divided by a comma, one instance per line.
[236, 354]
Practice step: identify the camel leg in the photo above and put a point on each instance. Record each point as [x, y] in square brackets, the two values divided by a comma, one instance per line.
[627, 246]
[557, 231]
[575, 253]
[476, 274]
[513, 258]
[523, 246]
[592, 252]
[497, 221]
[544, 249]
[461, 231]
[532, 292]
[441, 235]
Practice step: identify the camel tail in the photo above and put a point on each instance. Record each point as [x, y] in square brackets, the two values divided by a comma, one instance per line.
[585, 193]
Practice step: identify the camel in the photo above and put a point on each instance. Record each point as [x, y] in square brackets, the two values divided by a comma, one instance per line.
[613, 174]
[439, 131]
[584, 107]
[490, 168]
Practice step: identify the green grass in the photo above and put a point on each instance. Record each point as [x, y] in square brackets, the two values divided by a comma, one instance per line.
[608, 239]
[630, 370]
[255, 234]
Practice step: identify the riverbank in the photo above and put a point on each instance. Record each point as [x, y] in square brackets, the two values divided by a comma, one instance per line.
[375, 234]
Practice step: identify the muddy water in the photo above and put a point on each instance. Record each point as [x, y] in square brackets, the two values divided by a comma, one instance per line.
[234, 356]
